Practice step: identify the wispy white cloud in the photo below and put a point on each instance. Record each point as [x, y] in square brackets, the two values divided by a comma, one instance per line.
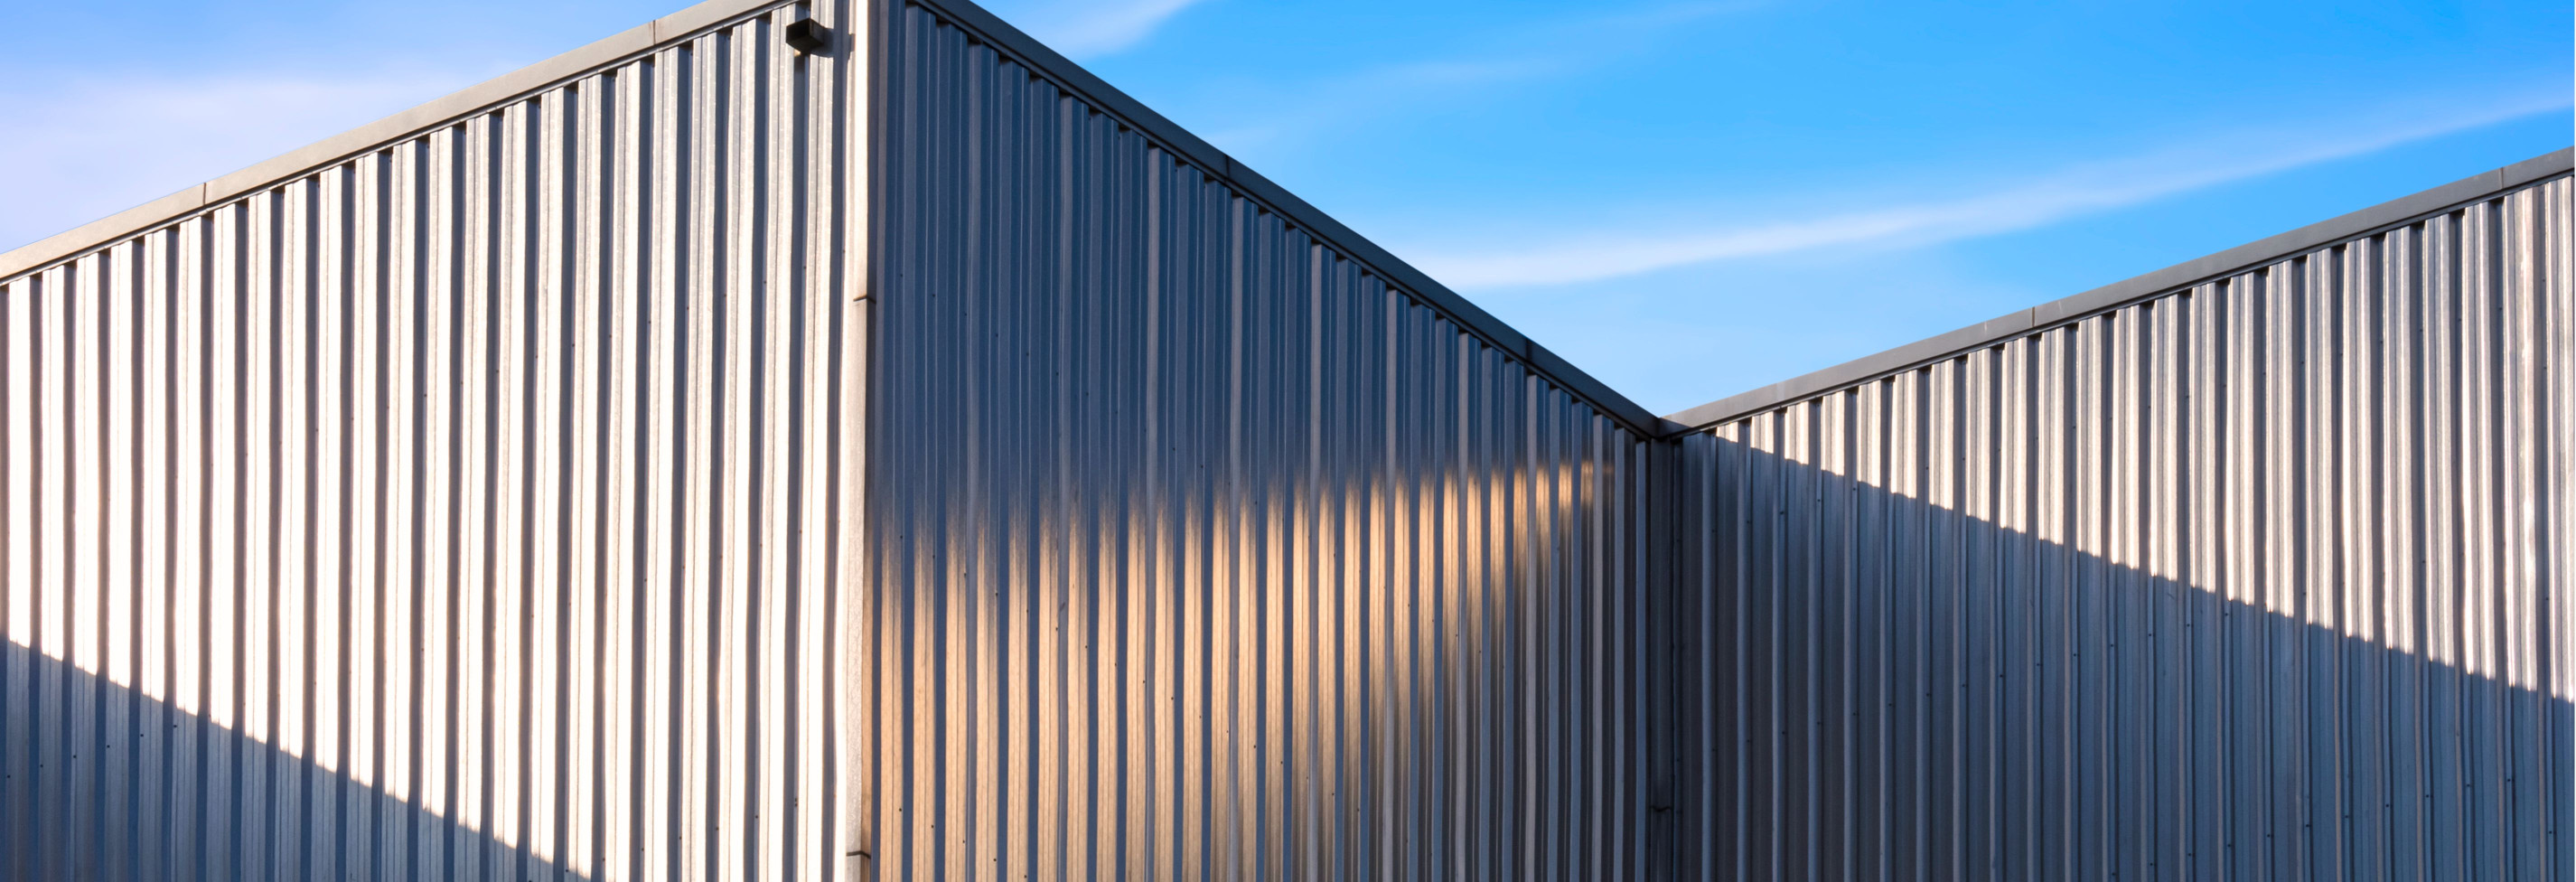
[1554, 47]
[90, 149]
[1606, 254]
[1319, 107]
[1093, 28]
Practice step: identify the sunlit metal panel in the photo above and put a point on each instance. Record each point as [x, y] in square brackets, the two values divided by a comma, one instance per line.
[472, 504]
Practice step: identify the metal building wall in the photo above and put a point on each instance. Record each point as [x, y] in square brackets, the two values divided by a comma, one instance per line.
[1201, 551]
[467, 506]
[2262, 578]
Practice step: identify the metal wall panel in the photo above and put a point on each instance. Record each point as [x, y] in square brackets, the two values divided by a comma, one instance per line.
[478, 504]
[2262, 578]
[470, 507]
[1200, 552]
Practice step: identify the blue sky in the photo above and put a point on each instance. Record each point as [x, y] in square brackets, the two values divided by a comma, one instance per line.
[1688, 199]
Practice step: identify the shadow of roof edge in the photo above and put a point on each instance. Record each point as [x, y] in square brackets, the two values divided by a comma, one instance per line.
[2395, 212]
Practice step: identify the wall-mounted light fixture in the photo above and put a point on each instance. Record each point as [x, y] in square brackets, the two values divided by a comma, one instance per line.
[808, 36]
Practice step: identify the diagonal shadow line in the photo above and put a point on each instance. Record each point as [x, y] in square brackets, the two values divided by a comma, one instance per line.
[169, 794]
[1886, 688]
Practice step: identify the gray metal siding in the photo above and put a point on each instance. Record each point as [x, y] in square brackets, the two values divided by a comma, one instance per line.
[590, 476]
[1200, 551]
[2258, 578]
[472, 506]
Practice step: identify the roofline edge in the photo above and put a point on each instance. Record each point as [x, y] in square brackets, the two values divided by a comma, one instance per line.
[671, 28]
[1399, 275]
[2395, 212]
[632, 42]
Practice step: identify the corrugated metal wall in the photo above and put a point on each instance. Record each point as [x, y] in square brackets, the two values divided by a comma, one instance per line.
[467, 508]
[1200, 552]
[2261, 579]
[481, 505]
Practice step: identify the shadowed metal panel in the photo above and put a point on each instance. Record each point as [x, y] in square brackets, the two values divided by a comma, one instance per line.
[467, 508]
[1200, 552]
[2259, 578]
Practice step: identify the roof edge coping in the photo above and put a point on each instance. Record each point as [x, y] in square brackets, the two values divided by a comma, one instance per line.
[635, 41]
[2395, 212]
[1397, 273]
[675, 26]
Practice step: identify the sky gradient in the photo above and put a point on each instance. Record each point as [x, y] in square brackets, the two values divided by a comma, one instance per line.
[1686, 199]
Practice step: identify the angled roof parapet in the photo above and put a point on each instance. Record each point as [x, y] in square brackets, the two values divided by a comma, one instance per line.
[1001, 35]
[462, 103]
[2395, 212]
[1399, 274]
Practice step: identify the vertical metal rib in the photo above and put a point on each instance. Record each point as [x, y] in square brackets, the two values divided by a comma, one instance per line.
[471, 507]
[1201, 550]
[2256, 577]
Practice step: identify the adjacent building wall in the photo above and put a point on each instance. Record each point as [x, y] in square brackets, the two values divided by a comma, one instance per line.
[463, 504]
[2260, 577]
[1200, 549]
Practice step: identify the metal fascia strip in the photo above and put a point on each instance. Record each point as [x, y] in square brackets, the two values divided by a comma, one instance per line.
[1090, 88]
[641, 39]
[2405, 209]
